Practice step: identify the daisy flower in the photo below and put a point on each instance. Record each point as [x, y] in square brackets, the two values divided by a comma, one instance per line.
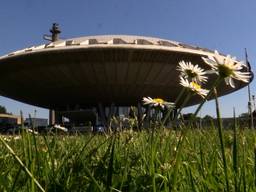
[194, 87]
[157, 102]
[227, 68]
[192, 72]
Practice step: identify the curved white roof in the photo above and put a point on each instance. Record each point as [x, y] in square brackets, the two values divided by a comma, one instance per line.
[105, 41]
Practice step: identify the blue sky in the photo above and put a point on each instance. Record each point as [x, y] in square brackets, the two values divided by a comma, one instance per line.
[225, 25]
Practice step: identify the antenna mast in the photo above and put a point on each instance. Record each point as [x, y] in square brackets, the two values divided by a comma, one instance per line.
[55, 31]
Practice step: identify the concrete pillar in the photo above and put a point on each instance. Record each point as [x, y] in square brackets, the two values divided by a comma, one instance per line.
[139, 116]
[117, 113]
[58, 117]
[111, 112]
[101, 111]
[51, 117]
[148, 117]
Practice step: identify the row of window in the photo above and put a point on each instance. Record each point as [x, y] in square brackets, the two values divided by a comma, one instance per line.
[114, 41]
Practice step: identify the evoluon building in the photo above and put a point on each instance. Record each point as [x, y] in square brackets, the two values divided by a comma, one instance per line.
[98, 71]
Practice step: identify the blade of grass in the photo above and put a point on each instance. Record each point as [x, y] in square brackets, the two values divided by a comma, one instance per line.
[111, 164]
[244, 165]
[93, 179]
[219, 122]
[178, 159]
[235, 151]
[22, 165]
[16, 178]
[254, 166]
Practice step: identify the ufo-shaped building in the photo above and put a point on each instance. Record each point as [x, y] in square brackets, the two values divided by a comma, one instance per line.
[111, 69]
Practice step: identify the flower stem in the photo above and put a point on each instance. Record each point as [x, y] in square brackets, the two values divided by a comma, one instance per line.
[171, 109]
[215, 84]
[183, 104]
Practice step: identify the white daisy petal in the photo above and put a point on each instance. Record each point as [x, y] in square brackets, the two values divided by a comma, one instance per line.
[209, 61]
[192, 72]
[227, 80]
[157, 102]
[231, 83]
[227, 68]
[193, 87]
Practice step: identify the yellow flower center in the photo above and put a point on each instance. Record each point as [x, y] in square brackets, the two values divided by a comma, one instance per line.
[190, 73]
[195, 85]
[225, 70]
[158, 100]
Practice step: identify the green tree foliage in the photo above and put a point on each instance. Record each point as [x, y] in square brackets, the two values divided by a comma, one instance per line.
[244, 115]
[2, 109]
[208, 117]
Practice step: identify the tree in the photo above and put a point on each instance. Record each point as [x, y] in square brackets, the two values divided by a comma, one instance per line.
[3, 109]
[208, 117]
[189, 116]
[244, 115]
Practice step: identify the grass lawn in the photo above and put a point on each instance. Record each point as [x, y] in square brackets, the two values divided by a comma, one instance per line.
[159, 160]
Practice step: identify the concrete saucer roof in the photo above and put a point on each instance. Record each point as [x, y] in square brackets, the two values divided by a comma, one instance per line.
[108, 69]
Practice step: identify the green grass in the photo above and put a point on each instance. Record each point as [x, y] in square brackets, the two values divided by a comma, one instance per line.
[163, 160]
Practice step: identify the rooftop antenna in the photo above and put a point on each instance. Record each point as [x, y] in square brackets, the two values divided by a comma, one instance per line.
[250, 114]
[55, 31]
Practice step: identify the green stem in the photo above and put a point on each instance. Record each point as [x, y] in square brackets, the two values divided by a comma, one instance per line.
[170, 109]
[221, 138]
[215, 84]
[182, 105]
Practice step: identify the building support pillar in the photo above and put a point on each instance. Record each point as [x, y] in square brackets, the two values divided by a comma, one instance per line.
[117, 111]
[58, 117]
[148, 117]
[102, 115]
[139, 116]
[51, 117]
[111, 113]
